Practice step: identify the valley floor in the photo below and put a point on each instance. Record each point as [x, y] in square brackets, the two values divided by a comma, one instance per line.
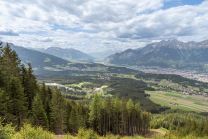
[183, 101]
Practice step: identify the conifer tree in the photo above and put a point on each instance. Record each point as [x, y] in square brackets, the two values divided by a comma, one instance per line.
[117, 110]
[108, 105]
[19, 101]
[29, 84]
[5, 104]
[113, 115]
[129, 106]
[39, 115]
[123, 113]
[73, 124]
[10, 64]
[95, 107]
[58, 112]
[1, 62]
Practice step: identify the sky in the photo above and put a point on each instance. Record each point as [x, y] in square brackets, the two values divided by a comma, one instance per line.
[99, 25]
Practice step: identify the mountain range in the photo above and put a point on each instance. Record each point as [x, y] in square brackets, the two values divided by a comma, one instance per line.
[47, 64]
[171, 53]
[67, 54]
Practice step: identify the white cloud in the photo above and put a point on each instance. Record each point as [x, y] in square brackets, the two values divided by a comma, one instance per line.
[8, 32]
[99, 24]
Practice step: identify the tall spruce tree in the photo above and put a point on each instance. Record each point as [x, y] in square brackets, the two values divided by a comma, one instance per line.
[38, 112]
[95, 107]
[58, 112]
[117, 111]
[130, 106]
[5, 104]
[18, 100]
[10, 66]
[1, 62]
[29, 84]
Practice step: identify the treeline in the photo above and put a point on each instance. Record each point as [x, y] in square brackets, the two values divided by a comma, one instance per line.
[118, 117]
[23, 100]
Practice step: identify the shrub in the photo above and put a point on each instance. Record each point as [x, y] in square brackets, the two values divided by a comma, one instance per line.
[68, 136]
[29, 132]
[6, 132]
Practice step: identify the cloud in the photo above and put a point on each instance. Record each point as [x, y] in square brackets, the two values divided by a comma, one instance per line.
[8, 32]
[94, 25]
[47, 40]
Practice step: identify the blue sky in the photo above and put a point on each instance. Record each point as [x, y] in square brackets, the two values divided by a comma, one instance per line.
[94, 25]
[176, 3]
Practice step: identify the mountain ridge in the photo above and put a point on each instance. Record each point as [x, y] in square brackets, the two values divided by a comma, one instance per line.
[171, 52]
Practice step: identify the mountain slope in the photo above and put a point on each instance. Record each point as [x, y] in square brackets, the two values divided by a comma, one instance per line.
[164, 54]
[37, 59]
[68, 54]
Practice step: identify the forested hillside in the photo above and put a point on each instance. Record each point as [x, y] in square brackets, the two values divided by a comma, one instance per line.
[23, 100]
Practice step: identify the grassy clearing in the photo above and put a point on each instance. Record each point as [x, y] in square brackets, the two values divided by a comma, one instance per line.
[52, 69]
[173, 95]
[168, 83]
[47, 59]
[166, 103]
[76, 85]
[189, 103]
[199, 103]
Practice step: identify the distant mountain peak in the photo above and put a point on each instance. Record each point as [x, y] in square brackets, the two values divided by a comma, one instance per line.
[165, 51]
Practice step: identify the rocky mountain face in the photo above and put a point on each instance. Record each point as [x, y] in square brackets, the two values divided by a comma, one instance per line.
[164, 53]
[68, 54]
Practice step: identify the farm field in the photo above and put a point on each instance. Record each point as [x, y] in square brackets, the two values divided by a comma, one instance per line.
[185, 102]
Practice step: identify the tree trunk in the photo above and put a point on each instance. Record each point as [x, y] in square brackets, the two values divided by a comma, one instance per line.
[122, 120]
[104, 123]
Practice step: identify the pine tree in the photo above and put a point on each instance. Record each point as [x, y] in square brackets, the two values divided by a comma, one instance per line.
[108, 105]
[39, 115]
[1, 62]
[29, 84]
[95, 107]
[123, 111]
[10, 64]
[138, 117]
[130, 106]
[113, 115]
[5, 104]
[117, 110]
[19, 101]
[58, 112]
[73, 124]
